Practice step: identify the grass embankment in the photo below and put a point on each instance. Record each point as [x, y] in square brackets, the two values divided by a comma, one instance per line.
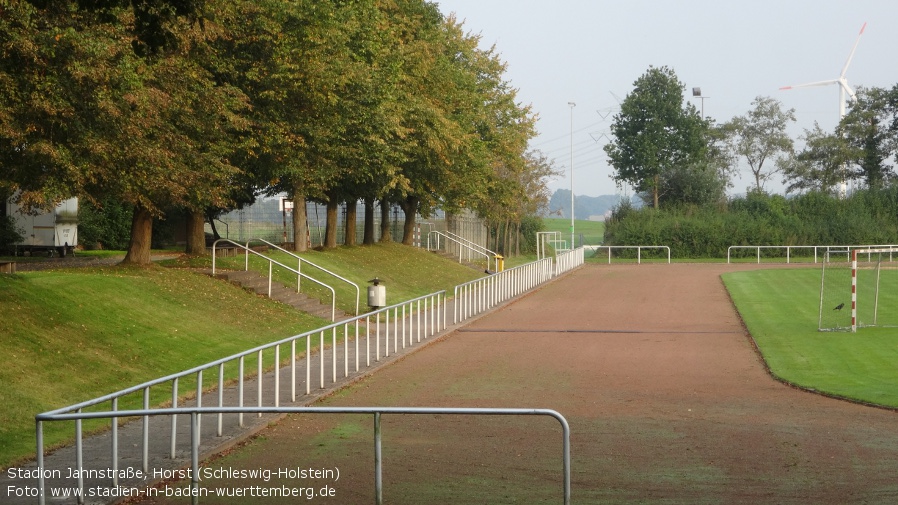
[71, 335]
[781, 310]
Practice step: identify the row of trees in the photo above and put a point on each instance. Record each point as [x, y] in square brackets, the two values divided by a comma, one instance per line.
[672, 156]
[198, 106]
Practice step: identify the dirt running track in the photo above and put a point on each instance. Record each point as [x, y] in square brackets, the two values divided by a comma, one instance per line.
[666, 397]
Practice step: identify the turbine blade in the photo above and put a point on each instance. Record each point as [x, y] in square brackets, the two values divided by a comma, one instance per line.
[853, 49]
[810, 84]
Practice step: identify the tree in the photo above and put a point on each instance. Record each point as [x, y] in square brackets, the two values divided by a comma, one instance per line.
[869, 128]
[760, 135]
[654, 132]
[820, 166]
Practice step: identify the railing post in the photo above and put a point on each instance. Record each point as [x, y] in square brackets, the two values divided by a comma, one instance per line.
[115, 444]
[41, 481]
[378, 462]
[174, 417]
[79, 458]
[194, 456]
[146, 431]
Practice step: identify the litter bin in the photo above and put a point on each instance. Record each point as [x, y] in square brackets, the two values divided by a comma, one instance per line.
[500, 262]
[377, 294]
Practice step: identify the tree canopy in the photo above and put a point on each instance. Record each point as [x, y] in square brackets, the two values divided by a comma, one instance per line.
[654, 132]
[191, 105]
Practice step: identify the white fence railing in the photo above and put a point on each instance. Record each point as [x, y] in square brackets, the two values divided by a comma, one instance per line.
[568, 260]
[818, 250]
[402, 324]
[195, 414]
[639, 249]
[478, 296]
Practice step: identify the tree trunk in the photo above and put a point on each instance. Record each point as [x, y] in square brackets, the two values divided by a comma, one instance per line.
[330, 227]
[351, 215]
[385, 234]
[141, 237]
[196, 236]
[369, 221]
[654, 195]
[410, 208]
[300, 223]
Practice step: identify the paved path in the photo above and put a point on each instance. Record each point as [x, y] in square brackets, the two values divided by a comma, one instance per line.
[668, 402]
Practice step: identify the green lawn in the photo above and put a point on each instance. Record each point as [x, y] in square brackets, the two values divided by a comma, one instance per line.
[69, 335]
[593, 232]
[781, 310]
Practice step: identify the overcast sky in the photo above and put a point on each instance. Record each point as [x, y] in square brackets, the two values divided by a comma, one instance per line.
[591, 51]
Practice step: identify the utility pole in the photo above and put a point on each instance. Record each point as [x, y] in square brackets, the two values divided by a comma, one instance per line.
[572, 105]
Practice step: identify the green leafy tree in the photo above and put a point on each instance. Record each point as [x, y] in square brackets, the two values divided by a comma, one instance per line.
[820, 166]
[760, 136]
[869, 128]
[655, 132]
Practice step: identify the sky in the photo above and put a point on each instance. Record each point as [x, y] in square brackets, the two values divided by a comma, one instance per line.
[590, 52]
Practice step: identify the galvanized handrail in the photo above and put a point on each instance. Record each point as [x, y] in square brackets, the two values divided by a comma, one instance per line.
[638, 248]
[196, 412]
[432, 307]
[301, 260]
[789, 248]
[479, 295]
[471, 243]
[461, 245]
[271, 263]
[568, 260]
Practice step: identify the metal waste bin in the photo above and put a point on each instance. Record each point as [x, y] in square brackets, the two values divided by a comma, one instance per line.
[377, 294]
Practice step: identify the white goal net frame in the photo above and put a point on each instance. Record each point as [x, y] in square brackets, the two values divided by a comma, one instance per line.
[840, 287]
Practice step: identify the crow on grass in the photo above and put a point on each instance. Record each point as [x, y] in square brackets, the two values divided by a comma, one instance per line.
[839, 306]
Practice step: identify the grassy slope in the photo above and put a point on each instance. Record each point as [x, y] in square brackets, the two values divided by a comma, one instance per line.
[71, 335]
[780, 309]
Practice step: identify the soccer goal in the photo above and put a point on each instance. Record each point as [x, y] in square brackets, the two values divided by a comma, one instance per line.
[858, 289]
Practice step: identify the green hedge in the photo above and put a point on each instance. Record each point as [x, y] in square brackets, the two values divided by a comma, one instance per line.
[866, 217]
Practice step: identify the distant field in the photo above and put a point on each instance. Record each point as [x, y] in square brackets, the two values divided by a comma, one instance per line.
[781, 309]
[586, 232]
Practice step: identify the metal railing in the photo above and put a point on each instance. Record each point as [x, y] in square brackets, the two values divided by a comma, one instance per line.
[568, 260]
[478, 296]
[461, 247]
[818, 249]
[300, 261]
[271, 262]
[195, 414]
[412, 320]
[639, 249]
[472, 244]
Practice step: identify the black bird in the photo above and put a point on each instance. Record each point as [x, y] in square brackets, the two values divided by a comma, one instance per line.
[839, 306]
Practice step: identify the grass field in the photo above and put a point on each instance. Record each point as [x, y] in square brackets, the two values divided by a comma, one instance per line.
[73, 334]
[590, 232]
[781, 310]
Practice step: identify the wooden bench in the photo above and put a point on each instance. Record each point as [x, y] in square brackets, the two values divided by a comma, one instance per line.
[7, 267]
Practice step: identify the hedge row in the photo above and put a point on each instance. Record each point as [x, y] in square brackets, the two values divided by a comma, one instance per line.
[866, 217]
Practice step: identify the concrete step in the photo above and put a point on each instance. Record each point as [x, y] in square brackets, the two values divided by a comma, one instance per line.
[258, 283]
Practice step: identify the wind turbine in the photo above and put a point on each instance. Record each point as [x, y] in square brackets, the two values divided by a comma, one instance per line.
[842, 81]
[844, 89]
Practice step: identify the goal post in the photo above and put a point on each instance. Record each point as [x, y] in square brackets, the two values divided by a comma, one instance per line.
[875, 271]
[859, 289]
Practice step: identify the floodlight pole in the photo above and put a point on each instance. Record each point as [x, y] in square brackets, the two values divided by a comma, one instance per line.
[572, 105]
[697, 93]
